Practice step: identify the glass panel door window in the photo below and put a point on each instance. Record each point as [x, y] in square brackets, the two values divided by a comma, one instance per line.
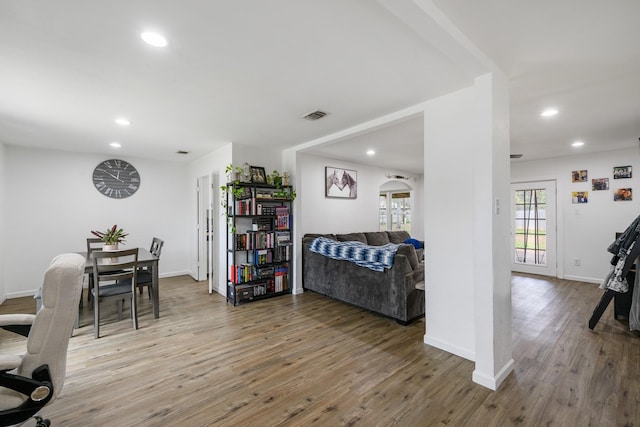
[395, 206]
[531, 226]
[533, 230]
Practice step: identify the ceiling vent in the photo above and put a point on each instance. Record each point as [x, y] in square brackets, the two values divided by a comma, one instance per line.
[314, 115]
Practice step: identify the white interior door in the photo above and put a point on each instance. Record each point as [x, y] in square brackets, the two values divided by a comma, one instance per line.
[533, 232]
[204, 230]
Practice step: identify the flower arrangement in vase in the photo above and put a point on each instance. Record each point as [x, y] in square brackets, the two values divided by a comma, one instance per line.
[111, 237]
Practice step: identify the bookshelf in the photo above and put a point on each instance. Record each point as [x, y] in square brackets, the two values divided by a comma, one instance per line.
[259, 241]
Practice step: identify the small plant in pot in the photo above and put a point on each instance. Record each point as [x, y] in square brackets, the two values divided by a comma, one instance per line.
[111, 237]
[233, 173]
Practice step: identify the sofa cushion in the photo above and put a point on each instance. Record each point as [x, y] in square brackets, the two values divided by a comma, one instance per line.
[398, 236]
[410, 252]
[377, 238]
[352, 237]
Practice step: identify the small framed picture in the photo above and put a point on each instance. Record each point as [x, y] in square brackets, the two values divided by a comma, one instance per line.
[580, 196]
[622, 194]
[579, 176]
[258, 175]
[600, 184]
[621, 172]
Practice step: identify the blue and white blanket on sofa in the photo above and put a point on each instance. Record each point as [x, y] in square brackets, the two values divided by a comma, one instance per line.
[374, 257]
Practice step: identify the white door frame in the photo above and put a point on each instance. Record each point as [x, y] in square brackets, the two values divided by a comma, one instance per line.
[551, 269]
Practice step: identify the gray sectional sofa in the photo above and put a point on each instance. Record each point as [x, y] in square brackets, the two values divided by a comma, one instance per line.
[391, 292]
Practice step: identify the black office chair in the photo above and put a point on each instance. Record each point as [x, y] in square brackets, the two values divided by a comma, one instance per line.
[30, 381]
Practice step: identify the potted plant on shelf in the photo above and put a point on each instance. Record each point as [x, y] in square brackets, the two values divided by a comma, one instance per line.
[281, 182]
[111, 237]
[233, 173]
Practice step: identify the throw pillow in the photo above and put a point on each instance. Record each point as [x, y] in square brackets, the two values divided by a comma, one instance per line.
[377, 238]
[416, 243]
[352, 237]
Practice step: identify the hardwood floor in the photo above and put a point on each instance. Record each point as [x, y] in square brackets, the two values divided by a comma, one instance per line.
[308, 360]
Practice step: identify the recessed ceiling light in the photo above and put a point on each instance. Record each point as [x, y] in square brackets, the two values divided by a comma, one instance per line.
[154, 39]
[115, 145]
[123, 121]
[549, 112]
[577, 144]
[371, 152]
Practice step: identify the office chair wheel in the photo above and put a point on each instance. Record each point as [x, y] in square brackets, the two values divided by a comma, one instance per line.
[41, 422]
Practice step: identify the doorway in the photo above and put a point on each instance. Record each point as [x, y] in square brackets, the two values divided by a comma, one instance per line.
[533, 231]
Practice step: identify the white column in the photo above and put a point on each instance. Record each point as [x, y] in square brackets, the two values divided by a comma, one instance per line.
[492, 224]
[468, 298]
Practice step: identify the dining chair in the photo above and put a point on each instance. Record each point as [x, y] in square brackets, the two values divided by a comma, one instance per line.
[144, 276]
[115, 279]
[93, 244]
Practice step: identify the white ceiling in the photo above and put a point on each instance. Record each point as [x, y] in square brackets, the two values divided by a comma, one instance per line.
[245, 71]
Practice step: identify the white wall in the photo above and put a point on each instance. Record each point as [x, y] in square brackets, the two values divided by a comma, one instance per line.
[319, 214]
[585, 230]
[468, 304]
[52, 205]
[215, 164]
[449, 217]
[316, 213]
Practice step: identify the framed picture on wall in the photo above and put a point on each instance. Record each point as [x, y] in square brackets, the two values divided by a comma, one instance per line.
[623, 194]
[621, 172]
[579, 176]
[341, 183]
[600, 184]
[580, 196]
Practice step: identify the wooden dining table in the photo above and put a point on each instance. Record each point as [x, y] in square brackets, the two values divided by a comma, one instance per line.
[145, 259]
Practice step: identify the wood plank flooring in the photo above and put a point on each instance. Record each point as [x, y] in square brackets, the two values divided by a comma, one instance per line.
[307, 360]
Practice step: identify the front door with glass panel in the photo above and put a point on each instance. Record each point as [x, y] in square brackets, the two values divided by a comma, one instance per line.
[534, 227]
[395, 211]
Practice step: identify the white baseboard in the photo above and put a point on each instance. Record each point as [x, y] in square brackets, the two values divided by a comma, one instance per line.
[21, 294]
[450, 348]
[493, 382]
[583, 279]
[174, 274]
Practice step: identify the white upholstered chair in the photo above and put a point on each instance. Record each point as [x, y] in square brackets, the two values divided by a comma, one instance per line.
[30, 381]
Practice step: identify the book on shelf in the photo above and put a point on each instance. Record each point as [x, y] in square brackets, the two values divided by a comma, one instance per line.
[282, 217]
[254, 240]
[264, 193]
[262, 224]
[281, 278]
[282, 253]
[262, 256]
[283, 238]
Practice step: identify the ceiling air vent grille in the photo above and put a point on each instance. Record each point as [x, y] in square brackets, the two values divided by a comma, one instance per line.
[314, 115]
